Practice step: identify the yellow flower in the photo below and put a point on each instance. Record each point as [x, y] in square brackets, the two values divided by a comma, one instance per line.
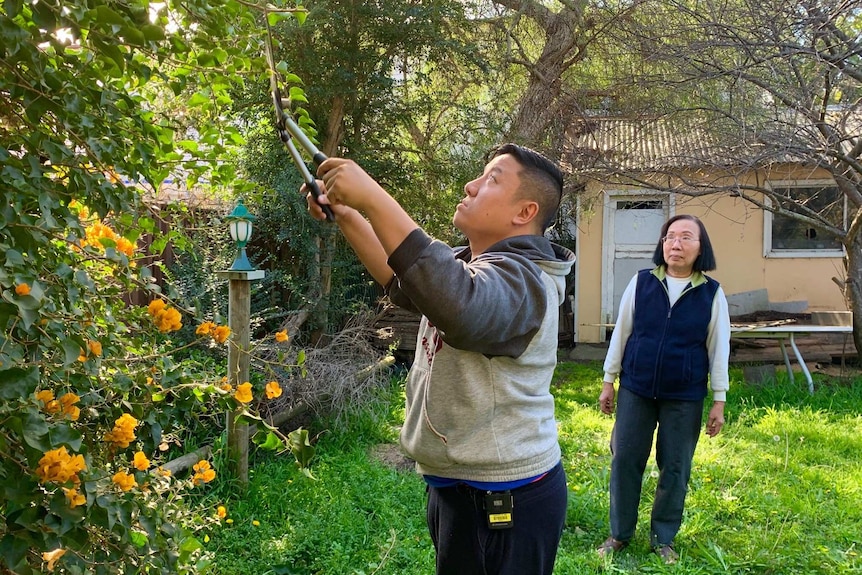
[273, 390]
[140, 462]
[74, 498]
[52, 557]
[156, 306]
[243, 393]
[123, 480]
[22, 289]
[221, 333]
[228, 520]
[203, 472]
[255, 522]
[125, 246]
[124, 431]
[95, 347]
[70, 410]
[205, 328]
[281, 336]
[221, 512]
[58, 466]
[47, 397]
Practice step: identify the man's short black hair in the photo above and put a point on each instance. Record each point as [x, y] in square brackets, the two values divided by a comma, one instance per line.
[541, 179]
[705, 261]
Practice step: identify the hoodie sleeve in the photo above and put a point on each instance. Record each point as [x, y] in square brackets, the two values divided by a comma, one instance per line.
[493, 304]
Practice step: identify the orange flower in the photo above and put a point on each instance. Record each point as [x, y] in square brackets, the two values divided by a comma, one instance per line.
[47, 397]
[221, 512]
[124, 431]
[205, 328]
[95, 347]
[281, 336]
[243, 393]
[52, 557]
[203, 472]
[58, 466]
[68, 401]
[22, 289]
[273, 390]
[141, 462]
[221, 333]
[124, 481]
[74, 498]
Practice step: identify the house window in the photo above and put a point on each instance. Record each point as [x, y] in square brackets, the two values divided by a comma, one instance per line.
[788, 237]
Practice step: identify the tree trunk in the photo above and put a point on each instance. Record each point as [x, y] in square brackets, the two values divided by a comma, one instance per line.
[853, 286]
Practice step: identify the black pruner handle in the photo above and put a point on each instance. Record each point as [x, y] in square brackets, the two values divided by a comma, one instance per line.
[316, 193]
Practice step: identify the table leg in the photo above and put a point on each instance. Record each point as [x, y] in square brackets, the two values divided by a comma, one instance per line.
[787, 359]
[802, 364]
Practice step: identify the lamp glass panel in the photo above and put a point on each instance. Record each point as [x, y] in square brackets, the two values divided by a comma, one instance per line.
[240, 230]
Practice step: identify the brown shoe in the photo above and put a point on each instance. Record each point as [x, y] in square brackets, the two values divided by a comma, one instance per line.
[667, 554]
[611, 546]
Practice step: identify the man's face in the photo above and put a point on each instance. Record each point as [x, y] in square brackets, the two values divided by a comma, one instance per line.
[490, 205]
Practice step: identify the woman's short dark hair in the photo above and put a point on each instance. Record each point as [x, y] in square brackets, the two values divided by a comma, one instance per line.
[705, 261]
[543, 181]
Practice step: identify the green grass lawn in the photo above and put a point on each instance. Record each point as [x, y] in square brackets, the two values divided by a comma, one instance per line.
[778, 492]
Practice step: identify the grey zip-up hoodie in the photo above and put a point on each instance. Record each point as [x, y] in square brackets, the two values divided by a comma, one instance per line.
[478, 394]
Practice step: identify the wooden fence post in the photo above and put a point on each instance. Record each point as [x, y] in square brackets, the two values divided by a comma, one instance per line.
[239, 311]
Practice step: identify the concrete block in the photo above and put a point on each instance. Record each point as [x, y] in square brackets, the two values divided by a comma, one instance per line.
[747, 302]
[789, 306]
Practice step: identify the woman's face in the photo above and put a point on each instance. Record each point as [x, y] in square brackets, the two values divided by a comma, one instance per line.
[681, 247]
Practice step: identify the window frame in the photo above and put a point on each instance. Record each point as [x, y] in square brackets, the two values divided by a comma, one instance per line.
[768, 217]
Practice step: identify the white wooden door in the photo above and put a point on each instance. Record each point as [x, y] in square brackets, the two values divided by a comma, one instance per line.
[631, 231]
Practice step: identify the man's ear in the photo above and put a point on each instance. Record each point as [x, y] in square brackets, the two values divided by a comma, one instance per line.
[527, 213]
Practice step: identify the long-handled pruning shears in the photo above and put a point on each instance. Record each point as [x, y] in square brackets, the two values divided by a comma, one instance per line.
[288, 129]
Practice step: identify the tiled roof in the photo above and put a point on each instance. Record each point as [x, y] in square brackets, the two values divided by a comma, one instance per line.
[643, 143]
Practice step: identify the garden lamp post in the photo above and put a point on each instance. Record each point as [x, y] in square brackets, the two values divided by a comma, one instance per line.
[239, 276]
[240, 225]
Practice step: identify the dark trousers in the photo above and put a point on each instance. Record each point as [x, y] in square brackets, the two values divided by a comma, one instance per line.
[466, 545]
[631, 442]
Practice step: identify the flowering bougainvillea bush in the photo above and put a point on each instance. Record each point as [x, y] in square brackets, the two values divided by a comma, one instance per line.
[89, 393]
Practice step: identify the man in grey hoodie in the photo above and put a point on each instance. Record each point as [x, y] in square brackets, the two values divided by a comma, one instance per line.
[479, 417]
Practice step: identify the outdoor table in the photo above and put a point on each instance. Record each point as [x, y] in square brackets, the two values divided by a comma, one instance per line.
[787, 332]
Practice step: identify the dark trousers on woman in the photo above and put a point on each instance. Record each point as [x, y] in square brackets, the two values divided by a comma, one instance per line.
[465, 545]
[678, 425]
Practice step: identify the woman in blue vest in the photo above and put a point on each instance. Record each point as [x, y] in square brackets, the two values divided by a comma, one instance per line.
[670, 345]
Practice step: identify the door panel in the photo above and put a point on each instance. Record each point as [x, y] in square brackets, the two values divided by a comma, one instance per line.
[635, 224]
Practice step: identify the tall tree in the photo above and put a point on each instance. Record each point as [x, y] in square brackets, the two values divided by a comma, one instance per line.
[361, 65]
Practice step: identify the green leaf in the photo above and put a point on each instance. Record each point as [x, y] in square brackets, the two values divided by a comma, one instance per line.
[14, 258]
[17, 383]
[138, 539]
[297, 94]
[301, 16]
[33, 429]
[108, 17]
[64, 434]
[14, 550]
[300, 447]
[153, 33]
[71, 351]
[271, 441]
